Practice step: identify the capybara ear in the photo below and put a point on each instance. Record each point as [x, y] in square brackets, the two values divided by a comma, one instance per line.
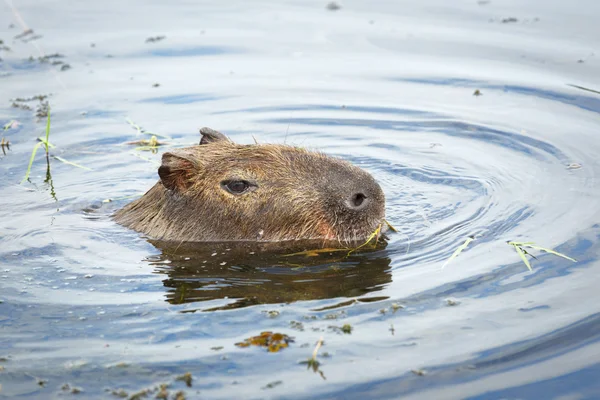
[177, 170]
[211, 136]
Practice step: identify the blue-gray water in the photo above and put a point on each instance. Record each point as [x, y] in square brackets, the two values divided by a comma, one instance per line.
[387, 85]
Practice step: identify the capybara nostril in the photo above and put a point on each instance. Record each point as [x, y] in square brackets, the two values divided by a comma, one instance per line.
[357, 201]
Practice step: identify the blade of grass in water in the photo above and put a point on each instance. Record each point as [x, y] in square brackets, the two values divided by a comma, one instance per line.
[373, 235]
[534, 246]
[134, 125]
[556, 253]
[44, 142]
[9, 125]
[521, 254]
[141, 130]
[583, 88]
[459, 250]
[145, 159]
[71, 163]
[47, 141]
[390, 226]
[35, 149]
[316, 252]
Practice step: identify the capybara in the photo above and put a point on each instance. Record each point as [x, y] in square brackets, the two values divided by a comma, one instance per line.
[220, 191]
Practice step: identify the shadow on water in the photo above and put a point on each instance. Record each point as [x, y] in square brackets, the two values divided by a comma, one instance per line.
[249, 274]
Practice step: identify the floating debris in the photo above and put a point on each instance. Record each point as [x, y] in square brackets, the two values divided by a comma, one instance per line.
[119, 393]
[41, 109]
[52, 59]
[273, 342]
[333, 6]
[3, 46]
[154, 39]
[272, 385]
[27, 36]
[452, 302]
[163, 393]
[147, 144]
[179, 395]
[299, 326]
[12, 124]
[272, 313]
[71, 389]
[5, 145]
[187, 378]
[346, 328]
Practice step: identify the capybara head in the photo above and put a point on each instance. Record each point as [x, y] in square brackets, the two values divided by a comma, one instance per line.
[223, 191]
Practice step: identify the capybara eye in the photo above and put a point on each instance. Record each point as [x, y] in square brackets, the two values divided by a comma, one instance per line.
[235, 187]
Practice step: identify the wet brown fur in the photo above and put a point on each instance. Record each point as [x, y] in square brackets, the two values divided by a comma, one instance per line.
[299, 196]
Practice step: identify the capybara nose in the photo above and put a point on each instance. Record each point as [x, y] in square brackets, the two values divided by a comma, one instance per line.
[357, 201]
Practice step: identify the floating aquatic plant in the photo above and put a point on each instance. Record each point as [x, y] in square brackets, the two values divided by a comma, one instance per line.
[519, 248]
[273, 342]
[459, 250]
[313, 363]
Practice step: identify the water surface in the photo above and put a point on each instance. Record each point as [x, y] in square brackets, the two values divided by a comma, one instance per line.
[387, 85]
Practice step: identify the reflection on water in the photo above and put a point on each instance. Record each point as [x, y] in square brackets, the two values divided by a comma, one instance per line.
[247, 275]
